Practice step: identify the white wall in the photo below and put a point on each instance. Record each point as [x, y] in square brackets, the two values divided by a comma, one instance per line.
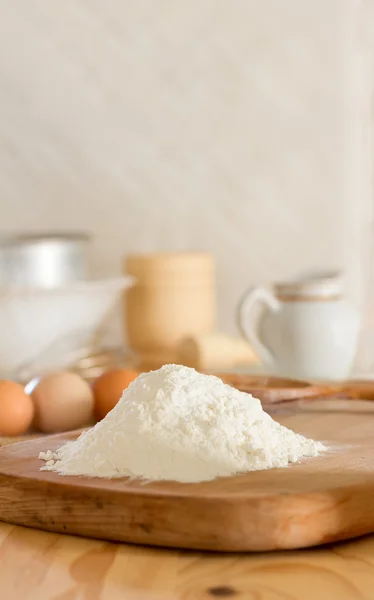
[235, 127]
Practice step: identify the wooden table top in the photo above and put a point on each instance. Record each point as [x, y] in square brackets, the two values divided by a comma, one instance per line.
[36, 565]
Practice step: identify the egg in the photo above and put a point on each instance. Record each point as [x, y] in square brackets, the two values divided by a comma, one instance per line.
[108, 389]
[16, 409]
[63, 401]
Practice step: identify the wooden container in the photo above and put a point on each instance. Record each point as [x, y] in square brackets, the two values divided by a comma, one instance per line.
[173, 298]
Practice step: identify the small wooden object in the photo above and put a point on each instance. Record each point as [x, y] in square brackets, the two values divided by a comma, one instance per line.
[215, 351]
[320, 500]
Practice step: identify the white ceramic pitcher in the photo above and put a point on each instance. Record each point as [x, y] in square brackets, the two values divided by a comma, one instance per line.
[308, 330]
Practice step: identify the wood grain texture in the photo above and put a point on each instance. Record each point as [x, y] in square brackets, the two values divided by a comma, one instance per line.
[318, 501]
[36, 565]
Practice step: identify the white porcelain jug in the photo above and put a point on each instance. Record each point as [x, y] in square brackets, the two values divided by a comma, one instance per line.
[307, 331]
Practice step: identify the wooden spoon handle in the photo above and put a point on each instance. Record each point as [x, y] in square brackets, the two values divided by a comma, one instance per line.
[357, 389]
[271, 390]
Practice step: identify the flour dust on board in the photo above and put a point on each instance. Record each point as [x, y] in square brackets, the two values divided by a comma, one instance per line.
[177, 424]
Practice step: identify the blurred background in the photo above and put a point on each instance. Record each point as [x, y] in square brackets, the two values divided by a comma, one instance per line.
[242, 129]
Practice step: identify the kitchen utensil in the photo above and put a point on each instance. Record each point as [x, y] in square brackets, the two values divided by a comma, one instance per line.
[43, 260]
[42, 328]
[214, 351]
[90, 365]
[308, 330]
[326, 405]
[320, 500]
[271, 390]
[173, 297]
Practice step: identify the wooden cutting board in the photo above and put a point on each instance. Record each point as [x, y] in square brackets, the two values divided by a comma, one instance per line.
[317, 501]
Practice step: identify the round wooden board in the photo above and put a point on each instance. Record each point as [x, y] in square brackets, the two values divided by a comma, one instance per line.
[317, 501]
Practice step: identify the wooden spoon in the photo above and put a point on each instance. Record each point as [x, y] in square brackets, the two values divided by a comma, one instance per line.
[272, 390]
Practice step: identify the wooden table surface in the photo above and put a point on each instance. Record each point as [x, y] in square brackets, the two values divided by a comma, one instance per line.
[35, 565]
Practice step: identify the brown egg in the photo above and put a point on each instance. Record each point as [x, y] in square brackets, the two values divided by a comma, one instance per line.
[108, 389]
[16, 409]
[63, 401]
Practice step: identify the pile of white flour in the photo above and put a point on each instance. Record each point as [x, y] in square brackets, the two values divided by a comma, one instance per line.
[177, 424]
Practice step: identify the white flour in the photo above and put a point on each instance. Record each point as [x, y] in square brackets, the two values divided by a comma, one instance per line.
[177, 424]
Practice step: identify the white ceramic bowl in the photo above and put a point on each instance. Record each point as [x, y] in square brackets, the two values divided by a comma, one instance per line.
[39, 325]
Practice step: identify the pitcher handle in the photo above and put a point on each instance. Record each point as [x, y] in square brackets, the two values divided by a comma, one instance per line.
[248, 329]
